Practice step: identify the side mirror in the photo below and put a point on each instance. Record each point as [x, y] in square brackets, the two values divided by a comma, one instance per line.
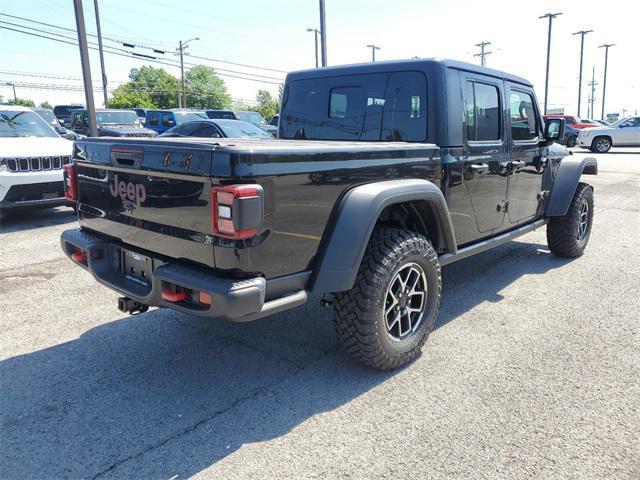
[553, 129]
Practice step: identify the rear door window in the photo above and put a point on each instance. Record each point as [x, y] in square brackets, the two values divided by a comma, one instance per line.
[482, 112]
[167, 120]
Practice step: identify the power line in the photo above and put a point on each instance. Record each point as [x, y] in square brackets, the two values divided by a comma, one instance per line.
[151, 60]
[142, 46]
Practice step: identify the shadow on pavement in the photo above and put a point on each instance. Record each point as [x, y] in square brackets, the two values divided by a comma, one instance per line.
[162, 394]
[28, 219]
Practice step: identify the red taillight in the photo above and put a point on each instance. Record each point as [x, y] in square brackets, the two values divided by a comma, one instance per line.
[70, 175]
[236, 211]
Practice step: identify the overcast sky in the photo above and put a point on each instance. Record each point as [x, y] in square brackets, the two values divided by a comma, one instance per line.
[271, 33]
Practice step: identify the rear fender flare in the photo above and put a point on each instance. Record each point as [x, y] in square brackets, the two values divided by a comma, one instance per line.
[566, 181]
[356, 217]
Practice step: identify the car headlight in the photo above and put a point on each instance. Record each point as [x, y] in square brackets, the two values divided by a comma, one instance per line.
[585, 133]
[3, 165]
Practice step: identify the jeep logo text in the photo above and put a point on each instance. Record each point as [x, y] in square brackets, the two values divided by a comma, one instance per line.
[136, 192]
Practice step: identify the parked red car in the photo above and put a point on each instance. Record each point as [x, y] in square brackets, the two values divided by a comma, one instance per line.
[575, 122]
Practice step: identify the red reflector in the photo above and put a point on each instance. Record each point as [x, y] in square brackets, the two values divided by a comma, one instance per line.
[171, 296]
[79, 256]
[204, 298]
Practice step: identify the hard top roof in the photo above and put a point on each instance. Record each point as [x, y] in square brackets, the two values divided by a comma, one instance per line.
[409, 64]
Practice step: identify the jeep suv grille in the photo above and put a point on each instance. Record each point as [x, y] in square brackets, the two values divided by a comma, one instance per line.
[35, 164]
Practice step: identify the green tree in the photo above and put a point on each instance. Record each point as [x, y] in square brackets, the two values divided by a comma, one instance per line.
[267, 105]
[22, 101]
[123, 98]
[148, 88]
[46, 104]
[205, 89]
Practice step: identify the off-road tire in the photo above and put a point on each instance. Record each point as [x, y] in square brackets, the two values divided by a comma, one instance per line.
[563, 233]
[359, 313]
[601, 145]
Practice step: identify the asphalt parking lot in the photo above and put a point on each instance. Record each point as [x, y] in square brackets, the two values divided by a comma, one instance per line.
[533, 371]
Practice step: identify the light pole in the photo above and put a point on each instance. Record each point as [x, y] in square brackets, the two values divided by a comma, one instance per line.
[550, 16]
[182, 97]
[316, 33]
[482, 53]
[323, 34]
[99, 32]
[86, 67]
[604, 83]
[373, 51]
[582, 33]
[9, 84]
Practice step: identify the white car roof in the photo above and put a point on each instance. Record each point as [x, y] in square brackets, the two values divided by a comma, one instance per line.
[15, 108]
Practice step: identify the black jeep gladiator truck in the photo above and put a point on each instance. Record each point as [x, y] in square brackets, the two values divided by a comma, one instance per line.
[383, 173]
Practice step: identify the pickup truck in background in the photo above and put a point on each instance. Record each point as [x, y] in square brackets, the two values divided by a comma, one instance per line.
[384, 173]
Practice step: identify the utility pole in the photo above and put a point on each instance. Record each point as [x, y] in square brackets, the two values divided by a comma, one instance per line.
[373, 51]
[592, 84]
[316, 32]
[482, 53]
[604, 83]
[582, 33]
[15, 98]
[182, 97]
[323, 34]
[86, 67]
[550, 16]
[99, 32]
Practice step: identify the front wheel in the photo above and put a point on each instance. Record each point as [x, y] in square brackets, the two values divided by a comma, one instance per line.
[567, 236]
[386, 317]
[600, 145]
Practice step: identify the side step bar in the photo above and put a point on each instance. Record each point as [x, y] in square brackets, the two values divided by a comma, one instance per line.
[489, 243]
[276, 306]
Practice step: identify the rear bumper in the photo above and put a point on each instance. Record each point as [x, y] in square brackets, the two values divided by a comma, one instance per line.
[231, 299]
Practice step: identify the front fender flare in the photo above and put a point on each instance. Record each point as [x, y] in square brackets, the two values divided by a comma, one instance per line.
[566, 181]
[357, 214]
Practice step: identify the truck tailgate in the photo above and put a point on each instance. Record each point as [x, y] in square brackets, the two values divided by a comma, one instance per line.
[152, 195]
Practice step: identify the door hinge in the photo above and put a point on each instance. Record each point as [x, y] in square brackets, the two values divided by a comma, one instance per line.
[503, 206]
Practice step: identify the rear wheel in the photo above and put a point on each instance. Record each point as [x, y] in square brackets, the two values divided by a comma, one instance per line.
[600, 145]
[571, 141]
[568, 235]
[386, 317]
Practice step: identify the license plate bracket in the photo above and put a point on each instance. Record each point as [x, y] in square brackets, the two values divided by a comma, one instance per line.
[136, 267]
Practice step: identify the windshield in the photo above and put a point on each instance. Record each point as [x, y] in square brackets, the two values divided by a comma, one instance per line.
[251, 117]
[23, 124]
[182, 117]
[239, 129]
[117, 118]
[47, 115]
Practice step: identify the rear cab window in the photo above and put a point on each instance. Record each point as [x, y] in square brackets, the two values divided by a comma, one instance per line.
[373, 107]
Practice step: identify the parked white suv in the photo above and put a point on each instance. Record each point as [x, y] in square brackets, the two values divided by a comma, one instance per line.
[623, 133]
[31, 158]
